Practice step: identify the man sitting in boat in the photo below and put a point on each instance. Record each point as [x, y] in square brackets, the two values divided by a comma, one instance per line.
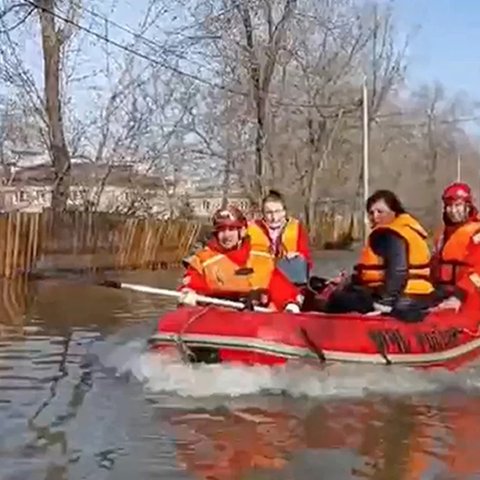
[457, 245]
[283, 237]
[393, 273]
[229, 267]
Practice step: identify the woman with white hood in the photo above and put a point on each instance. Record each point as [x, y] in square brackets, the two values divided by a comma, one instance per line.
[284, 237]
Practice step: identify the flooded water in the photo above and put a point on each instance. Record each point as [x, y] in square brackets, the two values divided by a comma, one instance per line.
[80, 399]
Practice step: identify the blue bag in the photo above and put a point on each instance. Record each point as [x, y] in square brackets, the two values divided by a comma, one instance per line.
[295, 269]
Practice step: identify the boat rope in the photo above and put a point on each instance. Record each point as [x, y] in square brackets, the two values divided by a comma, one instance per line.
[186, 353]
[380, 344]
[312, 346]
[470, 332]
[383, 353]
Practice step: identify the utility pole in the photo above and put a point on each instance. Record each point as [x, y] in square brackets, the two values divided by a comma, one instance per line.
[365, 157]
[459, 168]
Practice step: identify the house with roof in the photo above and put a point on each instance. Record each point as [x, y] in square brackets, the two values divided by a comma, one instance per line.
[115, 188]
[118, 188]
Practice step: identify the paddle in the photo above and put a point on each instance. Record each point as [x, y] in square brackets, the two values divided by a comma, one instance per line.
[176, 294]
[86, 277]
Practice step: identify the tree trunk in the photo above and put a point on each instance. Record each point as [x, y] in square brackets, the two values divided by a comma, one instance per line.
[52, 49]
[226, 179]
[261, 78]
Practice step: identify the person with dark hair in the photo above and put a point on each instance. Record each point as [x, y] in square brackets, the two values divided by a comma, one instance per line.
[392, 275]
[229, 267]
[283, 237]
[456, 245]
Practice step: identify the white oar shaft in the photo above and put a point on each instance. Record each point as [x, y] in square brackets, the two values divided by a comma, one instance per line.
[176, 294]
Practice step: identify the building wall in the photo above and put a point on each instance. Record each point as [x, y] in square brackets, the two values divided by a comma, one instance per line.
[206, 205]
[113, 198]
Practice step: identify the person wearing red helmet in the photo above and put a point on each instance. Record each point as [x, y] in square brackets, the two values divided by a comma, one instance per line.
[229, 267]
[457, 245]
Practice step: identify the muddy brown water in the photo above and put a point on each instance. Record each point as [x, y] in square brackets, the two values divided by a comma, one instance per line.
[80, 399]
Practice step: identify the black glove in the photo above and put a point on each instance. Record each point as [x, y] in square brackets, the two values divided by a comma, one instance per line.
[316, 284]
[256, 298]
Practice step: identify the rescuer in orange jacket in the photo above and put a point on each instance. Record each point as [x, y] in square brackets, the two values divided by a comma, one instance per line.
[456, 260]
[456, 243]
[283, 237]
[392, 275]
[229, 267]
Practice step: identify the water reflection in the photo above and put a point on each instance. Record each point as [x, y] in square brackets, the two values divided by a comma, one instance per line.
[227, 444]
[376, 439]
[457, 449]
[68, 412]
[16, 298]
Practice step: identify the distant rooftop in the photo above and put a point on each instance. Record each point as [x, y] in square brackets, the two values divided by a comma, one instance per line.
[90, 174]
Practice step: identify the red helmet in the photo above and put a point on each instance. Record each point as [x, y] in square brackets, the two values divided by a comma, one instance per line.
[457, 191]
[228, 217]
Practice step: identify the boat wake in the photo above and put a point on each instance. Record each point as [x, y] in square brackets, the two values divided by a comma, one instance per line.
[165, 374]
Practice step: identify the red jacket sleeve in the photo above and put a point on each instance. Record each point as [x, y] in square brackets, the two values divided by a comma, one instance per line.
[303, 245]
[467, 290]
[473, 257]
[281, 291]
[473, 253]
[464, 283]
[194, 280]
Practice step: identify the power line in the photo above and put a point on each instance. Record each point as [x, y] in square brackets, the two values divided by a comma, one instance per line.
[137, 35]
[155, 44]
[13, 27]
[137, 53]
[175, 69]
[352, 108]
[5, 12]
[423, 123]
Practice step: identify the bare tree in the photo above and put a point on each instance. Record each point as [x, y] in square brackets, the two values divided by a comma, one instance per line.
[5, 129]
[256, 92]
[260, 62]
[301, 65]
[47, 107]
[54, 39]
[334, 46]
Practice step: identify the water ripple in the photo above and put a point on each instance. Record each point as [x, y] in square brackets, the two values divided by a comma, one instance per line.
[81, 399]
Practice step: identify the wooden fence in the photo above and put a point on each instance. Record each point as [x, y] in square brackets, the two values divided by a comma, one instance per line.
[334, 230]
[19, 242]
[79, 240]
[90, 240]
[145, 243]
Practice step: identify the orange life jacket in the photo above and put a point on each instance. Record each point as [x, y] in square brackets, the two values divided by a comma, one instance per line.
[371, 270]
[221, 274]
[452, 254]
[288, 238]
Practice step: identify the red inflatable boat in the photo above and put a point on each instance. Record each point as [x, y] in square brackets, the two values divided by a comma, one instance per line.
[213, 334]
